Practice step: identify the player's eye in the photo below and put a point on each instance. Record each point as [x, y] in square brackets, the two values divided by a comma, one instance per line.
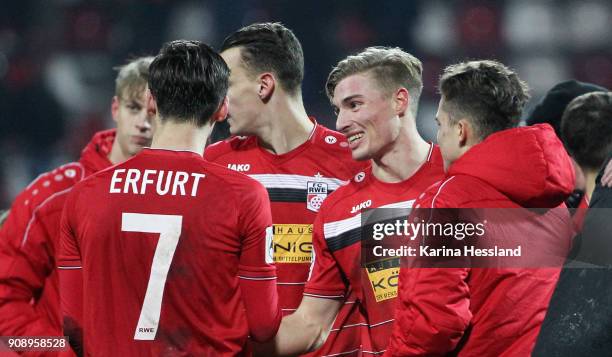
[134, 108]
[354, 105]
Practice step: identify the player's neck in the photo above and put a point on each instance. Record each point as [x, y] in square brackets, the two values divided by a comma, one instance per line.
[590, 177]
[116, 154]
[403, 158]
[286, 126]
[181, 136]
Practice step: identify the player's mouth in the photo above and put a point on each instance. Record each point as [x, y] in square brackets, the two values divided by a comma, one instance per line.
[354, 139]
[141, 140]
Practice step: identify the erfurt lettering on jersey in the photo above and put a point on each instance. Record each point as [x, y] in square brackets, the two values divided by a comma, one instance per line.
[139, 182]
[361, 206]
[384, 278]
[292, 243]
[239, 167]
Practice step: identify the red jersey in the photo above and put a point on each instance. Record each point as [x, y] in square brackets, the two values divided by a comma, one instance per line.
[337, 270]
[29, 292]
[297, 183]
[163, 242]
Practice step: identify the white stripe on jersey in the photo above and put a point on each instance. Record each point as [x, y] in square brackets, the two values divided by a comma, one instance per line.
[324, 296]
[295, 181]
[35, 212]
[336, 228]
[433, 201]
[431, 147]
[342, 353]
[250, 278]
[363, 324]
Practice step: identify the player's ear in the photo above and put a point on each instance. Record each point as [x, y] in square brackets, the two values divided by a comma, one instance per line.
[115, 108]
[464, 132]
[150, 102]
[267, 83]
[222, 111]
[402, 101]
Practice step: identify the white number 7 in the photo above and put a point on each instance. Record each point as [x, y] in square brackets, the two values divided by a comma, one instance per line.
[169, 229]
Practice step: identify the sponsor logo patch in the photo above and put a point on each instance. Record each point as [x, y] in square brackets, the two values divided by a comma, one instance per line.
[384, 278]
[292, 243]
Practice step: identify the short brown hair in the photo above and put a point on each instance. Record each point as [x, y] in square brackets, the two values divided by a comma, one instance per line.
[132, 77]
[586, 128]
[391, 67]
[486, 92]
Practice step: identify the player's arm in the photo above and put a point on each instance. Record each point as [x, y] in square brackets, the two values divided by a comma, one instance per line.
[71, 279]
[22, 278]
[433, 309]
[305, 330]
[257, 272]
[308, 327]
[433, 312]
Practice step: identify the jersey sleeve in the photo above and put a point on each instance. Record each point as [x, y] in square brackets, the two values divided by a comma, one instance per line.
[70, 275]
[326, 279]
[23, 276]
[256, 271]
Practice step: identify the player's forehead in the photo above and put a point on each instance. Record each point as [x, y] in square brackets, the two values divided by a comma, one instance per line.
[233, 58]
[355, 85]
[136, 94]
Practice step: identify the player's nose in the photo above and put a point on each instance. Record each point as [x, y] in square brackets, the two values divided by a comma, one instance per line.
[342, 123]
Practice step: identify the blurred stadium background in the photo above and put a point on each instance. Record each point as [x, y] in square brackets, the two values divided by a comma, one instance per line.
[56, 56]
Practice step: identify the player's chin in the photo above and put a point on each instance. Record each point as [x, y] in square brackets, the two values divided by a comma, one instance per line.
[359, 154]
[135, 149]
[237, 130]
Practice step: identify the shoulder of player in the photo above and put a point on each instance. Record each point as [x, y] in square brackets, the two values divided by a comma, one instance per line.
[50, 183]
[343, 196]
[229, 176]
[234, 186]
[82, 188]
[234, 144]
[330, 140]
[334, 147]
[450, 192]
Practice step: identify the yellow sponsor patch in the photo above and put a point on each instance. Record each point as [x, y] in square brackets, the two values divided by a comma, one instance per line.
[292, 243]
[384, 276]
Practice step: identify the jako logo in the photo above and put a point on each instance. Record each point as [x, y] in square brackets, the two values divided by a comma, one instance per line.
[239, 167]
[362, 205]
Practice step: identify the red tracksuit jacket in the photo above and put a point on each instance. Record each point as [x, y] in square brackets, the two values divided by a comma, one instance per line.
[484, 311]
[29, 294]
